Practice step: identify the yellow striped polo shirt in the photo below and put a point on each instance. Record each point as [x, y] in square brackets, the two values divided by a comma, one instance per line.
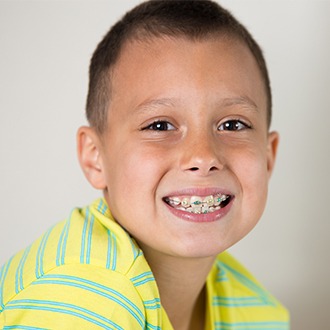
[88, 273]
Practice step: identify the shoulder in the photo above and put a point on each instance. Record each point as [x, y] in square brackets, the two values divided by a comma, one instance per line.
[76, 295]
[89, 236]
[241, 296]
[86, 260]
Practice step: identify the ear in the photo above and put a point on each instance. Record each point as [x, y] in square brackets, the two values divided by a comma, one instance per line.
[89, 155]
[273, 140]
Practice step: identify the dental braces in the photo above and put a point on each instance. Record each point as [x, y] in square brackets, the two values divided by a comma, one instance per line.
[208, 205]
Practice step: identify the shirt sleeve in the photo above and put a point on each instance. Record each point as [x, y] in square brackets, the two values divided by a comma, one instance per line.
[76, 297]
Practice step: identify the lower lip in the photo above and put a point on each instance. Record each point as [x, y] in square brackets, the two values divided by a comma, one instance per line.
[205, 217]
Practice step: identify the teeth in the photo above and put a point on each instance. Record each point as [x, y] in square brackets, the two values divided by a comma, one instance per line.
[205, 209]
[197, 204]
[209, 200]
[217, 200]
[175, 201]
[185, 202]
[196, 201]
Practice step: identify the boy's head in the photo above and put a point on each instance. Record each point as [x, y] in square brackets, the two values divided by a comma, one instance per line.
[179, 106]
[192, 20]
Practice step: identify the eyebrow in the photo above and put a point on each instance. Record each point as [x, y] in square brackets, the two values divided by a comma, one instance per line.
[151, 104]
[241, 100]
[154, 103]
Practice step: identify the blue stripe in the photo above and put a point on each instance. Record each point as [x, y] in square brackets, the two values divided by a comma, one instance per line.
[58, 307]
[238, 301]
[102, 207]
[83, 237]
[250, 284]
[222, 275]
[152, 301]
[21, 327]
[62, 245]
[114, 254]
[144, 281]
[238, 304]
[251, 298]
[143, 278]
[112, 251]
[134, 249]
[152, 304]
[89, 240]
[4, 271]
[153, 307]
[65, 238]
[17, 276]
[67, 280]
[251, 325]
[104, 210]
[19, 271]
[109, 249]
[40, 254]
[138, 277]
[99, 207]
[80, 286]
[59, 248]
[140, 253]
[153, 327]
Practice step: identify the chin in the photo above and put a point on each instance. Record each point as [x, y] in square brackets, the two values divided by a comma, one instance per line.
[201, 248]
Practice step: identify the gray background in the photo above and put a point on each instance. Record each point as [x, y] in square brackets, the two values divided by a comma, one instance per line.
[45, 48]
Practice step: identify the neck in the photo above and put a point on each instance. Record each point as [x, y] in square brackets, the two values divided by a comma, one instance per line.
[181, 284]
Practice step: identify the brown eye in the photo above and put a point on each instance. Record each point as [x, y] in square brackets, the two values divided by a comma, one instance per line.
[233, 125]
[160, 126]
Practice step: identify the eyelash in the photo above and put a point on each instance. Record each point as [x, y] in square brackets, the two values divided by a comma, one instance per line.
[158, 125]
[229, 125]
[234, 125]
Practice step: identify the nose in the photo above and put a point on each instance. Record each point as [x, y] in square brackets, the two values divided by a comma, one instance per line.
[201, 154]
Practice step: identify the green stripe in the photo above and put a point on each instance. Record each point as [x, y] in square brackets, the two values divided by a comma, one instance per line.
[109, 249]
[249, 284]
[270, 325]
[83, 237]
[95, 288]
[3, 275]
[19, 271]
[238, 301]
[89, 240]
[40, 253]
[63, 308]
[21, 327]
[112, 251]
[61, 247]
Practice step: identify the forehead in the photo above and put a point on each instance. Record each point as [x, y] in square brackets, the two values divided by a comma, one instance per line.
[186, 70]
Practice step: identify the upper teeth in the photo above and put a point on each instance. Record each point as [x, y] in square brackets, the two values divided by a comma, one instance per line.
[197, 204]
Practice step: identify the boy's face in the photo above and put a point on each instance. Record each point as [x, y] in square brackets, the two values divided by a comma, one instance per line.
[187, 130]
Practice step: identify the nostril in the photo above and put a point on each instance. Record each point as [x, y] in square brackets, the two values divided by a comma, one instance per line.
[194, 169]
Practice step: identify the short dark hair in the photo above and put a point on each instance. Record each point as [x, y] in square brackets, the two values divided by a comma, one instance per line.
[192, 19]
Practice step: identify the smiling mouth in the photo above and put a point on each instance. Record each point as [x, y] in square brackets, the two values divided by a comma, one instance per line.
[198, 204]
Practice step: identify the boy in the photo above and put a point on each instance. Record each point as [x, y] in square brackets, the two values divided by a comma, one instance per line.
[179, 107]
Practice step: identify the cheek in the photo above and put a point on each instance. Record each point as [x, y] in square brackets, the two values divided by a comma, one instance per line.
[133, 179]
[134, 174]
[251, 171]
[143, 164]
